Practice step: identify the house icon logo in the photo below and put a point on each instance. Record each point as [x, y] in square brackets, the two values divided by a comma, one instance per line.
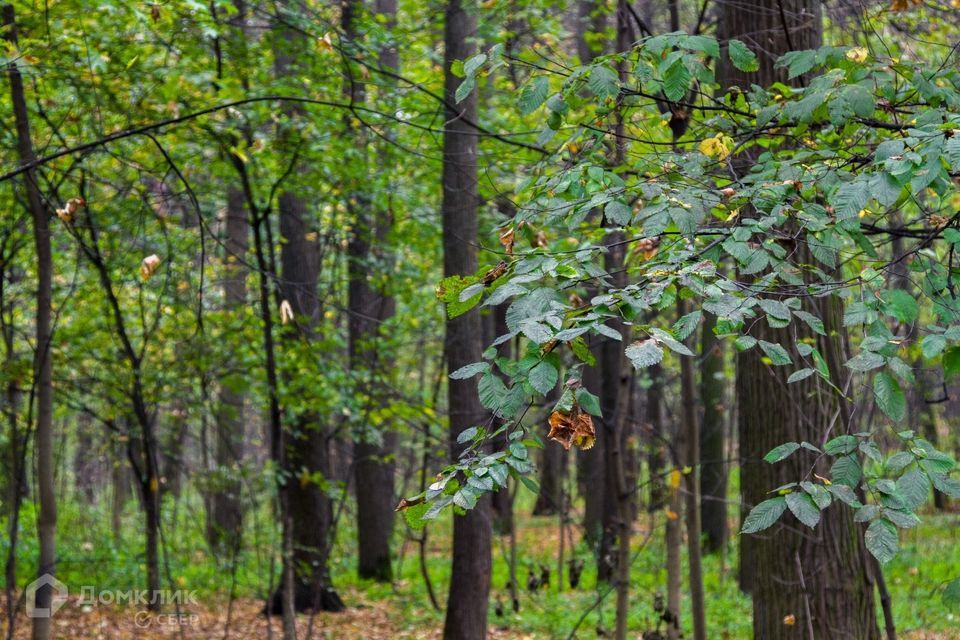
[58, 596]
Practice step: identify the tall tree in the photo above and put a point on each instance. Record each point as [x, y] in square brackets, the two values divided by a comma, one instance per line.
[713, 466]
[369, 305]
[42, 363]
[466, 617]
[226, 510]
[304, 437]
[826, 585]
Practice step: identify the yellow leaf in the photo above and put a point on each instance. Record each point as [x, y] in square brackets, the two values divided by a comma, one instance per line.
[719, 146]
[858, 55]
[674, 480]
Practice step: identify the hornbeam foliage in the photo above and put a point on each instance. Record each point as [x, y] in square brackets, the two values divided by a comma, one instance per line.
[768, 200]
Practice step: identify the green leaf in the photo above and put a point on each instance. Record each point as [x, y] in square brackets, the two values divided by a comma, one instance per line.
[951, 593]
[764, 515]
[473, 64]
[798, 62]
[841, 445]
[603, 82]
[818, 493]
[881, 539]
[946, 485]
[543, 377]
[815, 323]
[644, 353]
[533, 95]
[414, 515]
[845, 494]
[499, 474]
[951, 362]
[589, 402]
[667, 339]
[782, 452]
[465, 498]
[865, 361]
[686, 325]
[777, 354]
[913, 488]
[846, 470]
[529, 483]
[741, 56]
[676, 80]
[467, 435]
[775, 308]
[465, 88]
[932, 345]
[803, 507]
[850, 198]
[618, 213]
[470, 370]
[889, 396]
[901, 519]
[901, 305]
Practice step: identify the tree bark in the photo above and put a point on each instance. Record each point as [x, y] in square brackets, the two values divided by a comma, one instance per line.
[43, 363]
[369, 306]
[226, 521]
[466, 617]
[304, 438]
[820, 577]
[691, 453]
[713, 467]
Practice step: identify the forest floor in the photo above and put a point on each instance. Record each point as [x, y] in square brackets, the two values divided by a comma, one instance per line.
[929, 557]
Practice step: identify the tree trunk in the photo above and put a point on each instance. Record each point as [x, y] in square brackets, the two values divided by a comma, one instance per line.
[655, 438]
[691, 453]
[86, 462]
[466, 617]
[225, 511]
[369, 307]
[43, 364]
[304, 438]
[821, 577]
[713, 467]
[226, 518]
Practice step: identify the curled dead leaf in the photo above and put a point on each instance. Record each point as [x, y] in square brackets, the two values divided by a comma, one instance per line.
[286, 312]
[789, 619]
[149, 265]
[575, 428]
[494, 273]
[506, 239]
[66, 213]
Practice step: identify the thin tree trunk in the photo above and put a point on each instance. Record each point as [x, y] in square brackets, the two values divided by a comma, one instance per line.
[43, 363]
[466, 617]
[673, 541]
[306, 439]
[369, 306]
[655, 440]
[691, 453]
[713, 466]
[225, 516]
[226, 519]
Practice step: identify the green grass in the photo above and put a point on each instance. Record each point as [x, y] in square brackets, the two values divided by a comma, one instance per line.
[91, 554]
